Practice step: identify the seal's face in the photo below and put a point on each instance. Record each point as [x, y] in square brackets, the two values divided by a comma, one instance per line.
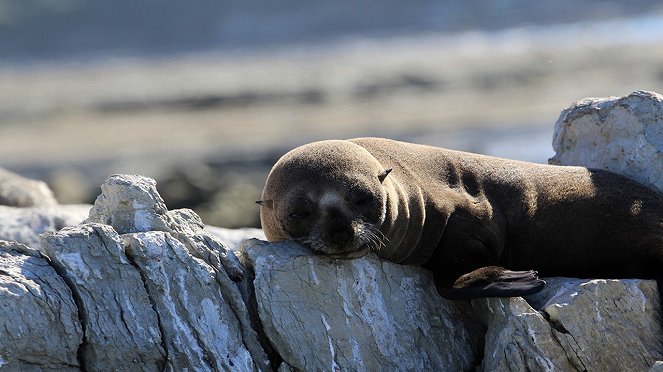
[328, 196]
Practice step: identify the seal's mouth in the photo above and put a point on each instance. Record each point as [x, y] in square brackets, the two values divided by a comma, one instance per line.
[359, 239]
[350, 254]
[323, 248]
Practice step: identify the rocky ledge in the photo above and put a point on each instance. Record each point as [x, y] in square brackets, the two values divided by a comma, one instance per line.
[130, 285]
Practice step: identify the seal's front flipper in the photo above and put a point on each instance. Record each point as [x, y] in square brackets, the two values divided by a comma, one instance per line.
[493, 281]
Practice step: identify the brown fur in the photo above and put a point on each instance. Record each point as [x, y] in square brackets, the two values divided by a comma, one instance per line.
[455, 212]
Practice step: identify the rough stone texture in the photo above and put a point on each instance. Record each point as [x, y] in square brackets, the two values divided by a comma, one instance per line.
[621, 134]
[120, 325]
[592, 325]
[25, 224]
[365, 314]
[199, 327]
[17, 191]
[624, 314]
[518, 338]
[131, 204]
[39, 326]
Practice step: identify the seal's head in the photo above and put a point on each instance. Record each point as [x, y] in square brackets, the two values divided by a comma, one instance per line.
[328, 196]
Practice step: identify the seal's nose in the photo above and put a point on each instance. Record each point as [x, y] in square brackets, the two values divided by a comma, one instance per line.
[340, 234]
[339, 229]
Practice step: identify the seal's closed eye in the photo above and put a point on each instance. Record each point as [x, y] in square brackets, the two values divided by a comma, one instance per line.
[298, 215]
[361, 198]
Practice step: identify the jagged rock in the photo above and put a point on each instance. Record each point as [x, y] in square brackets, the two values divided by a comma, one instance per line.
[199, 327]
[39, 325]
[518, 338]
[363, 314]
[183, 311]
[130, 203]
[25, 224]
[113, 207]
[584, 325]
[17, 191]
[621, 134]
[624, 314]
[120, 326]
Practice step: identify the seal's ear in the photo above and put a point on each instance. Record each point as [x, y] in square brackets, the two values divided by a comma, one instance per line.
[265, 203]
[384, 174]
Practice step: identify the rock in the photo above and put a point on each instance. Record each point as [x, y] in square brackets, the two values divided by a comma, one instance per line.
[657, 367]
[121, 327]
[199, 327]
[518, 338]
[185, 272]
[25, 224]
[17, 191]
[39, 324]
[621, 134]
[624, 315]
[362, 314]
[130, 203]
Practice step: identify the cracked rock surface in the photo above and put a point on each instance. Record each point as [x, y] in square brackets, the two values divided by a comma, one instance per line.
[39, 326]
[120, 325]
[329, 314]
[159, 296]
[582, 325]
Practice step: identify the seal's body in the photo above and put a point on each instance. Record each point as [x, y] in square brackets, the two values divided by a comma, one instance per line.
[465, 216]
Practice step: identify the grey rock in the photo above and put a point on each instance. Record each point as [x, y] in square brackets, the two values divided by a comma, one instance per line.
[625, 315]
[17, 191]
[518, 338]
[130, 203]
[592, 325]
[39, 325]
[200, 328]
[25, 224]
[121, 327]
[363, 314]
[621, 134]
[187, 227]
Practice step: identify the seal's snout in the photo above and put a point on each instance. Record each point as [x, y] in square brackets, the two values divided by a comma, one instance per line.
[341, 234]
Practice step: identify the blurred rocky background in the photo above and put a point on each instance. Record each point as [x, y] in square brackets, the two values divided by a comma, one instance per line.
[205, 95]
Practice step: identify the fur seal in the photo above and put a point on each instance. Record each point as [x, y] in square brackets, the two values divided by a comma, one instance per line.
[471, 219]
